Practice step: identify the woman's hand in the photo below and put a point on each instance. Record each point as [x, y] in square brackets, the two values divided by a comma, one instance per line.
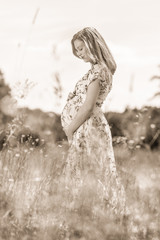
[69, 134]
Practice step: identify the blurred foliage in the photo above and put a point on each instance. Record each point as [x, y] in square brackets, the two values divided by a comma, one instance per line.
[4, 88]
[141, 126]
[137, 127]
[156, 77]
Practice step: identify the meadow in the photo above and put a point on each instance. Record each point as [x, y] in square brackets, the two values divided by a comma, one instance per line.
[34, 206]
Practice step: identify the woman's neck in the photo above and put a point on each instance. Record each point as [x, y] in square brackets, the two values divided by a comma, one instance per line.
[93, 65]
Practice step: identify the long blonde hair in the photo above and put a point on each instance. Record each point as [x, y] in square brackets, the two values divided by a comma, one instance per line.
[96, 46]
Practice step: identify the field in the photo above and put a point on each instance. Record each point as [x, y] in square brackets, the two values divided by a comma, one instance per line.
[33, 203]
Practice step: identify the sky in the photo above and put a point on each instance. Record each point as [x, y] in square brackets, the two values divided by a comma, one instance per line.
[35, 44]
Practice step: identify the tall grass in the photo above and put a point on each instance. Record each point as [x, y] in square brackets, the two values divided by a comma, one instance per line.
[35, 204]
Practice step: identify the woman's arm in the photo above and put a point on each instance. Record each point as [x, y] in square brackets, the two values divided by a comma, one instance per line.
[86, 109]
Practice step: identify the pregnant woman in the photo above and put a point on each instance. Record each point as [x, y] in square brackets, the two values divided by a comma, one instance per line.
[90, 157]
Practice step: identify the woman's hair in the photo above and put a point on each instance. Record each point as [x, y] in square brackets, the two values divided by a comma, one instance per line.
[97, 48]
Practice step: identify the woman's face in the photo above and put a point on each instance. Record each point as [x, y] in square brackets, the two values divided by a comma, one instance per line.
[81, 50]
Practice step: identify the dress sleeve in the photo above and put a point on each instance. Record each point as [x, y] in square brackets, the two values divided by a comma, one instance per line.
[103, 75]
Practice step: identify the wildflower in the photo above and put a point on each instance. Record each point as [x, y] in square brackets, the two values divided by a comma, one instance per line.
[31, 149]
[37, 140]
[41, 151]
[17, 155]
[142, 137]
[37, 179]
[152, 126]
[25, 150]
[144, 109]
[11, 180]
[138, 146]
[21, 88]
[131, 142]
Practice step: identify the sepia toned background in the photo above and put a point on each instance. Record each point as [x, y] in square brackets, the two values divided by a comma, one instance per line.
[37, 72]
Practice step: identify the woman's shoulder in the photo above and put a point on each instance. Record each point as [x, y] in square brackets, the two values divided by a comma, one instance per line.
[99, 69]
[102, 73]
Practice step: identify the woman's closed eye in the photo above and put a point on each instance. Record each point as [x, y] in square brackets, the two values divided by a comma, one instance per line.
[79, 50]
